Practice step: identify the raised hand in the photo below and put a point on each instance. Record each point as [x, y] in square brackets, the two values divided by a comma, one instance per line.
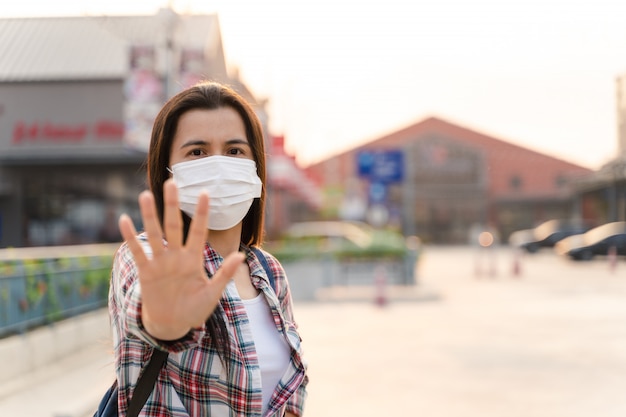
[176, 295]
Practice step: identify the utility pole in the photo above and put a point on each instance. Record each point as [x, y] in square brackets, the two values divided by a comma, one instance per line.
[169, 18]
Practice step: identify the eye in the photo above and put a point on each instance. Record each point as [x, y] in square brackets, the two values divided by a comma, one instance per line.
[235, 151]
[195, 152]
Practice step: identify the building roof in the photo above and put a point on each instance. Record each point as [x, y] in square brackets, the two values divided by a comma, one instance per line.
[541, 174]
[95, 47]
[65, 48]
[471, 137]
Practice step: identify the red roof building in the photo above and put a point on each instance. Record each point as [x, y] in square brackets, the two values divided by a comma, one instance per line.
[451, 179]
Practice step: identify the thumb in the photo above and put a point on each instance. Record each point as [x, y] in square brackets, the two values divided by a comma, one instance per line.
[215, 286]
[226, 272]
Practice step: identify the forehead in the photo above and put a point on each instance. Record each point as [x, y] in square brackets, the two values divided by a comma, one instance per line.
[206, 122]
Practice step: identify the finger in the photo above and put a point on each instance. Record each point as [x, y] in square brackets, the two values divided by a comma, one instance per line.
[127, 229]
[214, 287]
[151, 222]
[198, 228]
[172, 220]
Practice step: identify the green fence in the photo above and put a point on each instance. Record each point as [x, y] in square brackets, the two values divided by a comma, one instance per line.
[42, 285]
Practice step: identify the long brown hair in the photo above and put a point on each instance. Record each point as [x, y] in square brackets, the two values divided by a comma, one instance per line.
[209, 96]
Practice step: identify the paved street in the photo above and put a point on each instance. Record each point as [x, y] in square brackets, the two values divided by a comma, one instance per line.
[550, 342]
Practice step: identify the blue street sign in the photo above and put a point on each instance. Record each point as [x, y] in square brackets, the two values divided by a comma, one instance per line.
[378, 192]
[381, 166]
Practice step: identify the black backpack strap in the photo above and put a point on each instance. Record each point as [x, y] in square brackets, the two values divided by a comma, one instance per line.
[261, 257]
[146, 382]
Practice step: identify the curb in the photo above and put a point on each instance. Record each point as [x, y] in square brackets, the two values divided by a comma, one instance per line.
[369, 293]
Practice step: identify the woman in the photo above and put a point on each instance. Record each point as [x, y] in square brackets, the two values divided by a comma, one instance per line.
[232, 341]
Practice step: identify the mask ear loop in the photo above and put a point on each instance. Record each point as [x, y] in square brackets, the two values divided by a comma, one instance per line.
[170, 171]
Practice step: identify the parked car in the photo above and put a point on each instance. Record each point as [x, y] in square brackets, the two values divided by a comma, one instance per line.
[519, 238]
[547, 234]
[340, 239]
[597, 241]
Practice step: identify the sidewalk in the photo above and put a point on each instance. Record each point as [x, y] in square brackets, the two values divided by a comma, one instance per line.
[372, 293]
[57, 381]
[70, 387]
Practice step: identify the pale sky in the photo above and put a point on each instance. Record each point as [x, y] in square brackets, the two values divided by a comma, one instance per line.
[538, 73]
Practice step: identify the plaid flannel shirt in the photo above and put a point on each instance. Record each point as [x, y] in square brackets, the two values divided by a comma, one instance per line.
[194, 382]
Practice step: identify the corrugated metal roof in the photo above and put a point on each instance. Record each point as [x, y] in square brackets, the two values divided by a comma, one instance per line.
[59, 49]
[78, 48]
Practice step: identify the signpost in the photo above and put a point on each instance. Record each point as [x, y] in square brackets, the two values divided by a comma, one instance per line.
[380, 168]
[384, 166]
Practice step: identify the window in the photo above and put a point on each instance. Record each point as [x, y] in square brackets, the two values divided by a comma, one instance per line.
[560, 181]
[515, 182]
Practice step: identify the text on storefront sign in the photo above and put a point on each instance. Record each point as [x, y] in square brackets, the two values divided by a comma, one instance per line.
[36, 132]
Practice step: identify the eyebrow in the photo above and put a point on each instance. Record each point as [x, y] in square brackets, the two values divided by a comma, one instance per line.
[193, 143]
[237, 142]
[196, 142]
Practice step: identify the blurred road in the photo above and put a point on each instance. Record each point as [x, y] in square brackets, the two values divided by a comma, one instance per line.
[473, 340]
[548, 342]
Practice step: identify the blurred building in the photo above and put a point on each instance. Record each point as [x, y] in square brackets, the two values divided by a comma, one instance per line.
[78, 96]
[620, 100]
[602, 194]
[438, 180]
[292, 194]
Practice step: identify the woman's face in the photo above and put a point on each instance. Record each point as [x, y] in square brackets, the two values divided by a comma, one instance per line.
[201, 133]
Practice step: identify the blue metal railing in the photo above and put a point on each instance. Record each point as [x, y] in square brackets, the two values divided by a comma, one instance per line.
[39, 286]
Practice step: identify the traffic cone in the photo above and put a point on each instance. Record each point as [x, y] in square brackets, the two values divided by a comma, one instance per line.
[517, 267]
[381, 284]
[612, 258]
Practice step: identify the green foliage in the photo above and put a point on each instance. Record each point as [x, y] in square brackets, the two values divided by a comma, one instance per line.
[381, 245]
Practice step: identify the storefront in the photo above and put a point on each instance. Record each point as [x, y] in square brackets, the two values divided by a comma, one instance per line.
[66, 173]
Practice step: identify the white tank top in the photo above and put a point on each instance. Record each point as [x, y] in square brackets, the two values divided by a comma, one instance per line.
[271, 347]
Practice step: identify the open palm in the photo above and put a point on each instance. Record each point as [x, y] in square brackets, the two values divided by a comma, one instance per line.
[175, 292]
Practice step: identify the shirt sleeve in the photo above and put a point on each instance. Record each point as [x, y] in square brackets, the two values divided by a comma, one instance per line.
[295, 404]
[125, 305]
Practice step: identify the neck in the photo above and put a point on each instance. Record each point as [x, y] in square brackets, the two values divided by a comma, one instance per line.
[225, 242]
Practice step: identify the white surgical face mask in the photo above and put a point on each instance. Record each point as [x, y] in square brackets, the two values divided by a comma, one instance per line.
[232, 185]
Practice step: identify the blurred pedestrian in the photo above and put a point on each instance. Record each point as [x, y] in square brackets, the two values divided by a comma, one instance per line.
[190, 284]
